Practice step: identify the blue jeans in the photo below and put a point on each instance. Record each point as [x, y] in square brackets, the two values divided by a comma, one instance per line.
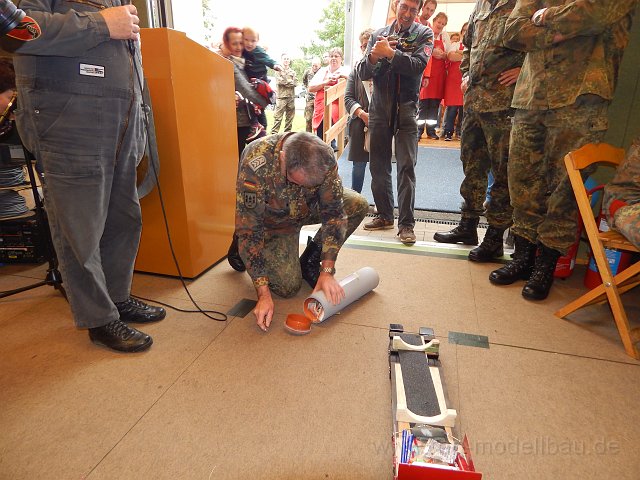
[357, 176]
[450, 115]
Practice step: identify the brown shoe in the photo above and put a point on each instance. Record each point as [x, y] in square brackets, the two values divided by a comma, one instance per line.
[407, 236]
[379, 223]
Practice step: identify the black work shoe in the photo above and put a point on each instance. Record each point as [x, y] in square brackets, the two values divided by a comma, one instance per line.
[431, 133]
[310, 262]
[520, 267]
[119, 336]
[466, 232]
[539, 284]
[490, 248]
[233, 256]
[135, 311]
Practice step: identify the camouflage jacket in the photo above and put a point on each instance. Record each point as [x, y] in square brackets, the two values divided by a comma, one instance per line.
[485, 57]
[306, 78]
[286, 81]
[625, 185]
[267, 202]
[586, 61]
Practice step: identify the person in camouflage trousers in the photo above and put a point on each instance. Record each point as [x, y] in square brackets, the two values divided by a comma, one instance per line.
[310, 97]
[574, 50]
[621, 202]
[286, 181]
[490, 71]
[285, 102]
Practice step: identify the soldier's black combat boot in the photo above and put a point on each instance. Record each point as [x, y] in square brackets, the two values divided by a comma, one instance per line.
[490, 248]
[466, 232]
[520, 267]
[233, 256]
[539, 284]
[310, 262]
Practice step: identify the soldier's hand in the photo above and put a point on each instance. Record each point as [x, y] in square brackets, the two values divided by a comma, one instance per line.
[509, 77]
[264, 308]
[331, 288]
[122, 22]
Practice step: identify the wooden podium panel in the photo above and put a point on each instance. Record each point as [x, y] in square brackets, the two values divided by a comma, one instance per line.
[192, 92]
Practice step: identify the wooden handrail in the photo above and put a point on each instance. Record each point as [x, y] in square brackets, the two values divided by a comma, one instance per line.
[335, 131]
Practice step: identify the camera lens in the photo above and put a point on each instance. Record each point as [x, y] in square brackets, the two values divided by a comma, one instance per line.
[10, 16]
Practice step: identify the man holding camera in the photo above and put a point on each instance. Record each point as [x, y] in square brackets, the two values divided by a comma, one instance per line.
[395, 59]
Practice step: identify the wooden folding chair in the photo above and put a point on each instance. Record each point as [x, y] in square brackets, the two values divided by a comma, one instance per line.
[611, 286]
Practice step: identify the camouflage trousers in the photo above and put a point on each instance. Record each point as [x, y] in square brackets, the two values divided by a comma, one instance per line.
[626, 220]
[285, 107]
[484, 147]
[281, 249]
[308, 115]
[544, 207]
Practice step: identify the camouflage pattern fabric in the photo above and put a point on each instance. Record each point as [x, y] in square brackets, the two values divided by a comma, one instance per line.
[625, 187]
[286, 81]
[310, 98]
[308, 113]
[270, 211]
[544, 207]
[281, 251]
[484, 147]
[485, 57]
[285, 107]
[285, 102]
[627, 221]
[486, 125]
[587, 61]
[562, 95]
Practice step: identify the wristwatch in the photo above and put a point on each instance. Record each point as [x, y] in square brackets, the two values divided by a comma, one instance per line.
[329, 270]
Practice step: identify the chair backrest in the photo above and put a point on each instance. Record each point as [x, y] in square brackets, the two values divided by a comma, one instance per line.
[594, 153]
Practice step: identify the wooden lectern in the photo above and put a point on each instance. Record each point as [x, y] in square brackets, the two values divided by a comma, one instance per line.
[192, 92]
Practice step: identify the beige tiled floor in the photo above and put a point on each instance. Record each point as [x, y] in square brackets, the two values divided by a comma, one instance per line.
[549, 399]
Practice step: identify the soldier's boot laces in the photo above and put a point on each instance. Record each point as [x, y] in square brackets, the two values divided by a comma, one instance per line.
[491, 246]
[310, 262]
[520, 267]
[539, 284]
[233, 256]
[466, 232]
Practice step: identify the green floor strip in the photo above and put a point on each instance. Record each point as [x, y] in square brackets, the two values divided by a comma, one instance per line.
[469, 340]
[418, 249]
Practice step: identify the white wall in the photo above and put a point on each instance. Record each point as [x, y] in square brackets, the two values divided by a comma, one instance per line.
[187, 17]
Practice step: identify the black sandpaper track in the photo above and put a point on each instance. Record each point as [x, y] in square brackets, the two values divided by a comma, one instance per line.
[416, 377]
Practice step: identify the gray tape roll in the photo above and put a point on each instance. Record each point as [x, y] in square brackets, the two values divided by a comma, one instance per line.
[317, 308]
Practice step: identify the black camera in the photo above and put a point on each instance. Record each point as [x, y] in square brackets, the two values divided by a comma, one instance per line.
[10, 16]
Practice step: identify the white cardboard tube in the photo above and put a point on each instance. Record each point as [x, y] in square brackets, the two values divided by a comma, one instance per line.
[317, 308]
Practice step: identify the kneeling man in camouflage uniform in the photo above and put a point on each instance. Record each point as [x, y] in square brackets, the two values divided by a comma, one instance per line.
[286, 181]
